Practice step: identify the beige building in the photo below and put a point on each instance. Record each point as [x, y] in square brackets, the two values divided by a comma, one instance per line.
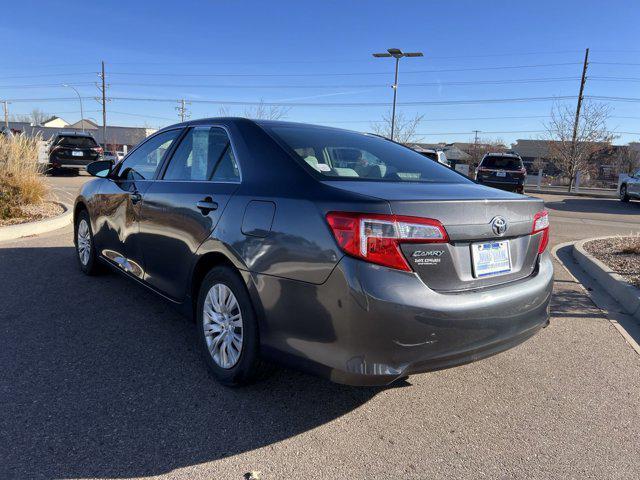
[55, 122]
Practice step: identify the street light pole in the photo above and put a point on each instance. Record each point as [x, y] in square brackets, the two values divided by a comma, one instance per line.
[81, 110]
[397, 54]
[395, 95]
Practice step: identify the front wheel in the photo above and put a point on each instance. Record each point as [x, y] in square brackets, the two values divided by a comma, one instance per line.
[85, 249]
[227, 328]
[624, 194]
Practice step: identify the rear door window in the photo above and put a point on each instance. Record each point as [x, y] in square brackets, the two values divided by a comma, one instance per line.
[340, 154]
[204, 153]
[501, 163]
[76, 142]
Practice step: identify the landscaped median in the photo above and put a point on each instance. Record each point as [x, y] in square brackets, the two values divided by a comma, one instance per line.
[24, 205]
[614, 262]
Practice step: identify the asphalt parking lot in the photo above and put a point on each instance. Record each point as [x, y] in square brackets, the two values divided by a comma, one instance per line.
[100, 379]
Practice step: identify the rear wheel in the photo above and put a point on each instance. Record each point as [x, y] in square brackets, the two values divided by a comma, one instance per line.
[227, 328]
[624, 194]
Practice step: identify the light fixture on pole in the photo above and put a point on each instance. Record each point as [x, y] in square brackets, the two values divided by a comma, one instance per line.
[397, 54]
[79, 98]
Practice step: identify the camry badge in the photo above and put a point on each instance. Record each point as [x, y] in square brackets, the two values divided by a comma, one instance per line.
[499, 225]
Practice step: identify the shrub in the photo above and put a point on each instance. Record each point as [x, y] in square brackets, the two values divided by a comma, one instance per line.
[20, 182]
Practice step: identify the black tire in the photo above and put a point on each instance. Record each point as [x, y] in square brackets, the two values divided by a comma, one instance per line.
[249, 366]
[91, 266]
[624, 196]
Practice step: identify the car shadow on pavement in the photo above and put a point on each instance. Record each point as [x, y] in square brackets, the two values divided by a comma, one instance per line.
[100, 378]
[592, 205]
[573, 304]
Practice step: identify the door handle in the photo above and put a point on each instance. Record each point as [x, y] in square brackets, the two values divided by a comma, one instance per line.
[207, 205]
[135, 197]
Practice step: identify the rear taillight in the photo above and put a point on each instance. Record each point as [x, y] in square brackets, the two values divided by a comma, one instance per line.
[541, 225]
[377, 238]
[98, 150]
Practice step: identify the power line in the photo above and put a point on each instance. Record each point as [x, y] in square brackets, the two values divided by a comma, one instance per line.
[318, 104]
[141, 115]
[376, 85]
[325, 74]
[616, 63]
[37, 75]
[359, 60]
[45, 85]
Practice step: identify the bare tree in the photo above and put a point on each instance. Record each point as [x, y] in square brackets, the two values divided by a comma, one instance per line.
[36, 117]
[259, 111]
[404, 129]
[484, 146]
[592, 135]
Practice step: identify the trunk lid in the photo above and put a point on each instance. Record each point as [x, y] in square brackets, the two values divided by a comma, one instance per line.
[467, 211]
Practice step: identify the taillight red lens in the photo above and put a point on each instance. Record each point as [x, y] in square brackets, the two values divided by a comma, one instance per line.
[376, 238]
[99, 150]
[541, 225]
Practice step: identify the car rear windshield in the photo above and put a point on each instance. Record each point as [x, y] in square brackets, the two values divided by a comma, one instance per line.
[339, 154]
[78, 142]
[502, 163]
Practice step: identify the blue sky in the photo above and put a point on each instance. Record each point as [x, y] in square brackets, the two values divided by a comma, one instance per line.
[320, 52]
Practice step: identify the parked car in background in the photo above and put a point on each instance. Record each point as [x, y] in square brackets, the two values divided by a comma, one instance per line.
[364, 274]
[436, 155]
[73, 149]
[502, 170]
[630, 187]
[110, 155]
[6, 132]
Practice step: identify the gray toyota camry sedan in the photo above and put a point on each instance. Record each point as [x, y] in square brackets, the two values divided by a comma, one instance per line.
[339, 253]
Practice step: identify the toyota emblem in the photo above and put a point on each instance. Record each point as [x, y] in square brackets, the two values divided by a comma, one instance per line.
[499, 225]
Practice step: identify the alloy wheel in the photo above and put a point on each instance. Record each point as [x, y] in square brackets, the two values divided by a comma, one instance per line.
[84, 242]
[222, 324]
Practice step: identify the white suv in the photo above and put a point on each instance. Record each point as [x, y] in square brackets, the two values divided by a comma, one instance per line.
[630, 187]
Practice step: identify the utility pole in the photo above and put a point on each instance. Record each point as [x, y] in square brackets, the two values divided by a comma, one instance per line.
[397, 54]
[5, 106]
[104, 108]
[577, 121]
[182, 109]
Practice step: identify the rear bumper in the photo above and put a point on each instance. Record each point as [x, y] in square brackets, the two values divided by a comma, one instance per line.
[370, 325]
[69, 162]
[504, 185]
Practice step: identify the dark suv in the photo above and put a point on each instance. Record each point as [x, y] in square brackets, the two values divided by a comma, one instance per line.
[502, 170]
[75, 150]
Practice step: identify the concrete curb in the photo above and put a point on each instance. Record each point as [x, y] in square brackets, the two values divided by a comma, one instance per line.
[627, 295]
[13, 232]
[587, 194]
[626, 325]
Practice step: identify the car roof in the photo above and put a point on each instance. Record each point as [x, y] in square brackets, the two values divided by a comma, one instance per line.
[259, 122]
[502, 154]
[74, 134]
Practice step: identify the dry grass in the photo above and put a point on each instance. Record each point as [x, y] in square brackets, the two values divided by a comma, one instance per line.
[631, 249]
[20, 182]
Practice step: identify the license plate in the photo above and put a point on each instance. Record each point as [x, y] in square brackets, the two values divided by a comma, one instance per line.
[491, 258]
[501, 174]
[77, 154]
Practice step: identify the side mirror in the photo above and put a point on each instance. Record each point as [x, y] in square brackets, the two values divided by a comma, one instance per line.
[100, 168]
